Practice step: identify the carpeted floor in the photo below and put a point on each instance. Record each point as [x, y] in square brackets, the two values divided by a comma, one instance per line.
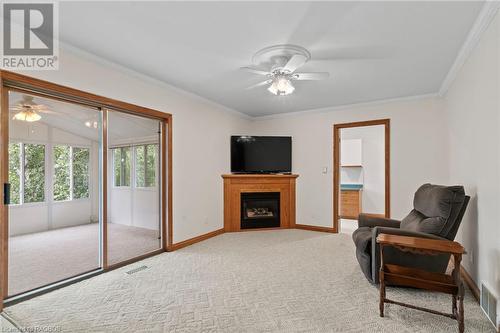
[267, 281]
[45, 257]
[348, 226]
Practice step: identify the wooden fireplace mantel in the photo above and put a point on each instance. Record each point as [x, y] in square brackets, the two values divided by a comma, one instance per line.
[235, 184]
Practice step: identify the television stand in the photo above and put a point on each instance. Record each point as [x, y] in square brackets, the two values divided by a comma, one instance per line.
[259, 173]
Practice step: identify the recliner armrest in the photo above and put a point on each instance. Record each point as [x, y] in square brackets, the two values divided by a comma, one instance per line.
[365, 220]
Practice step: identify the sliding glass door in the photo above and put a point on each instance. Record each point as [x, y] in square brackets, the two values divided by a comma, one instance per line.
[53, 172]
[133, 186]
[86, 188]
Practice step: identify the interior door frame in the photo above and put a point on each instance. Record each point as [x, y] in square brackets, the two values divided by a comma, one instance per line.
[18, 82]
[336, 164]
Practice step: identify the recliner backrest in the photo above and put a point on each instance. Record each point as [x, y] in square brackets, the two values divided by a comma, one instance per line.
[437, 210]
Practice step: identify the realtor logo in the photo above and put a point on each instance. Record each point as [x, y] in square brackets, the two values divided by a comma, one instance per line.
[30, 40]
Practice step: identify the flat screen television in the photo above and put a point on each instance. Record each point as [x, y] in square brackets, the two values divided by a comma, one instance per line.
[261, 154]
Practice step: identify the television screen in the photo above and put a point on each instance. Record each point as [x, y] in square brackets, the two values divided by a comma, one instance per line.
[261, 154]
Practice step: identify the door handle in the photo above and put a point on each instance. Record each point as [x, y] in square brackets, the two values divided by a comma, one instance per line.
[6, 194]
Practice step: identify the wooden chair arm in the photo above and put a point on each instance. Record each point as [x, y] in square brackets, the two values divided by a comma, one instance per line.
[421, 244]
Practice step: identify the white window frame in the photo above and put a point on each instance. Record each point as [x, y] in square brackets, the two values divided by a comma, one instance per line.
[133, 168]
[49, 165]
[71, 187]
[22, 171]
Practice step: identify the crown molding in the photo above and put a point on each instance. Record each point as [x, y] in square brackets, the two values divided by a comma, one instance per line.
[483, 20]
[146, 78]
[348, 106]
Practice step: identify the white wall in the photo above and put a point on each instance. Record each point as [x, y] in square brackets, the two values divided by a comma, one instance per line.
[418, 152]
[372, 173]
[201, 133]
[472, 107]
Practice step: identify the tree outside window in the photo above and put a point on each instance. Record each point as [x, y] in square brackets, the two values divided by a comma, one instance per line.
[34, 173]
[26, 173]
[15, 173]
[71, 173]
[121, 165]
[62, 180]
[145, 165]
[81, 159]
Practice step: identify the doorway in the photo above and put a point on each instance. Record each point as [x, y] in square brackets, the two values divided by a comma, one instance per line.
[361, 177]
[86, 185]
[134, 200]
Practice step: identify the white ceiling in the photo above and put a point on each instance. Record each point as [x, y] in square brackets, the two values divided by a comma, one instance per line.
[373, 50]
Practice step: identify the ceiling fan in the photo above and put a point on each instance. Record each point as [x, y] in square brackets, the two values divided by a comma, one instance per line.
[27, 110]
[283, 61]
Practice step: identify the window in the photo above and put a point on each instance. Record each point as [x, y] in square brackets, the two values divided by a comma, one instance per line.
[62, 180]
[15, 173]
[81, 159]
[121, 166]
[145, 165]
[71, 173]
[26, 173]
[143, 168]
[34, 173]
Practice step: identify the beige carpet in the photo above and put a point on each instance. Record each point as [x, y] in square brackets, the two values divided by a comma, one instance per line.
[267, 281]
[45, 257]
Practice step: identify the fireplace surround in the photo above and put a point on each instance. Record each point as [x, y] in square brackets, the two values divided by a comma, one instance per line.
[260, 190]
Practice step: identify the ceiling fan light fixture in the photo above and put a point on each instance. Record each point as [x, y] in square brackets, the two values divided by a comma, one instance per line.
[281, 86]
[27, 110]
[27, 115]
[282, 62]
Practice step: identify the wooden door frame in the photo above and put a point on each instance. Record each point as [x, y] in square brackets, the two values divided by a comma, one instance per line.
[22, 83]
[4, 174]
[336, 164]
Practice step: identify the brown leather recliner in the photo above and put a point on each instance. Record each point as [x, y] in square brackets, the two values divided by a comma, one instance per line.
[437, 213]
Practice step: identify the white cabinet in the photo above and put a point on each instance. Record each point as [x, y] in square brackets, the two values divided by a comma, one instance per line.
[350, 152]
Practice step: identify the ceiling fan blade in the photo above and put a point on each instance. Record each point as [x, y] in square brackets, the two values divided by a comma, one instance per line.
[48, 111]
[311, 76]
[255, 71]
[263, 83]
[295, 62]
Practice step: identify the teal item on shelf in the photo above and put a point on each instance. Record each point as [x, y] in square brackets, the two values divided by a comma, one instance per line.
[351, 186]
